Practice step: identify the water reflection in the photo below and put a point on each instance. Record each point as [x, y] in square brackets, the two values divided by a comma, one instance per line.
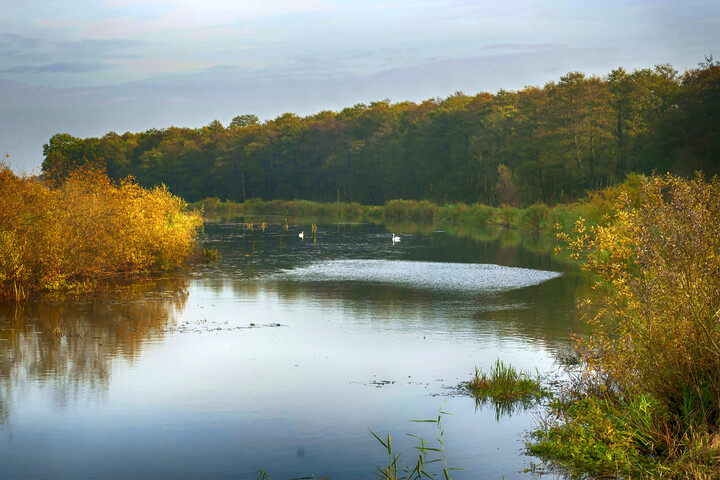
[505, 408]
[282, 355]
[443, 276]
[68, 347]
[540, 314]
[249, 253]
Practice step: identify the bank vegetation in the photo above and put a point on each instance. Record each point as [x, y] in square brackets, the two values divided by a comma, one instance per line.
[647, 401]
[70, 236]
[537, 217]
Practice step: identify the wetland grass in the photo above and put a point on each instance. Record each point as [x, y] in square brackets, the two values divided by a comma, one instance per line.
[535, 218]
[505, 384]
[428, 456]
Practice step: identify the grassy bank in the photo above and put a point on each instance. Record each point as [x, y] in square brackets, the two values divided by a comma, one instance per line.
[647, 402]
[537, 217]
[87, 230]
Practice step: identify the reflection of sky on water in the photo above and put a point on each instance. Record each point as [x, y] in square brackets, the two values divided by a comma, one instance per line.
[414, 274]
[304, 355]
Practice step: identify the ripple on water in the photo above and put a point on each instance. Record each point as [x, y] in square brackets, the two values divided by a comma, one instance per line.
[423, 275]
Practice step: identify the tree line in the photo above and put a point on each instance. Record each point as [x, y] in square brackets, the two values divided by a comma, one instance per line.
[540, 144]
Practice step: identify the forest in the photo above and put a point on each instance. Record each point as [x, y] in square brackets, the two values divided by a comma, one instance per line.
[547, 144]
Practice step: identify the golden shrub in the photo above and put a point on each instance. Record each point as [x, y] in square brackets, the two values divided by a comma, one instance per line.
[658, 326]
[86, 229]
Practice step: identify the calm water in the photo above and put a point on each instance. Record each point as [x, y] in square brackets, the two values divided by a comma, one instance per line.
[283, 356]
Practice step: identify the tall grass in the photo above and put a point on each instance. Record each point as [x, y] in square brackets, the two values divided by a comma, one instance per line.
[537, 217]
[428, 462]
[424, 464]
[504, 382]
[214, 207]
[505, 388]
[85, 230]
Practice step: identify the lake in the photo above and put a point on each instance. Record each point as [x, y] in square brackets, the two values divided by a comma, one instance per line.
[285, 355]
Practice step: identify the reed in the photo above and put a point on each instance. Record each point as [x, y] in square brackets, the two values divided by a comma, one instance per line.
[429, 461]
[537, 217]
[428, 456]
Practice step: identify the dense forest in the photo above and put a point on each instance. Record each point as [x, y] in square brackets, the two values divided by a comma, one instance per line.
[548, 144]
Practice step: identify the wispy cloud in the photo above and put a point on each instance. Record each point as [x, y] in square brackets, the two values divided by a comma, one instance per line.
[135, 18]
[61, 68]
[525, 47]
[14, 45]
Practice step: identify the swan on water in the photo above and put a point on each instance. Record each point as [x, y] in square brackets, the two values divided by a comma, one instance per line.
[395, 239]
[301, 234]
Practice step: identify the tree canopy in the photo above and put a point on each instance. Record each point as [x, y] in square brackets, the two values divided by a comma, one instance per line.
[548, 144]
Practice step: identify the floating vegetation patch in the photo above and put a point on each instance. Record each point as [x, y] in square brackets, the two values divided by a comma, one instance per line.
[425, 275]
[205, 325]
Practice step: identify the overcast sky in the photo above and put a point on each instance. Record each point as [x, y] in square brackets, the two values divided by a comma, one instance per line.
[87, 67]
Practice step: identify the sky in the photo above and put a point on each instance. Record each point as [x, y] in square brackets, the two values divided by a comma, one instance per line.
[88, 67]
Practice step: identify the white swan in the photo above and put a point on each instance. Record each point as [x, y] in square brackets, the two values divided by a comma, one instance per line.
[395, 239]
[301, 234]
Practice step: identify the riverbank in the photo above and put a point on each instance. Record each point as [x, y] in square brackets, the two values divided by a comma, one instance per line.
[538, 217]
[646, 401]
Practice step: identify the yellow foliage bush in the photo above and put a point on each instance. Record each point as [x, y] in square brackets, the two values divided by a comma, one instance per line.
[86, 229]
[658, 326]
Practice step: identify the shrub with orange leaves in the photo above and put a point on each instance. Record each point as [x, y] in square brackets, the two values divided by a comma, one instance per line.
[86, 229]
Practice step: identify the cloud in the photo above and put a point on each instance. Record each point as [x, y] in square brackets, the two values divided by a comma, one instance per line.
[14, 48]
[526, 47]
[135, 18]
[102, 49]
[61, 67]
[344, 62]
[11, 43]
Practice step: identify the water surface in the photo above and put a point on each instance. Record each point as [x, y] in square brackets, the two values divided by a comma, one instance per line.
[283, 355]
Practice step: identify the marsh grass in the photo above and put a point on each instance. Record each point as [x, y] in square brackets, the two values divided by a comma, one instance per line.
[504, 385]
[431, 457]
[208, 255]
[536, 217]
[627, 436]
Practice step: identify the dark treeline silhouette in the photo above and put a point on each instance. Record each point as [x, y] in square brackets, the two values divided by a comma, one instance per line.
[548, 144]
